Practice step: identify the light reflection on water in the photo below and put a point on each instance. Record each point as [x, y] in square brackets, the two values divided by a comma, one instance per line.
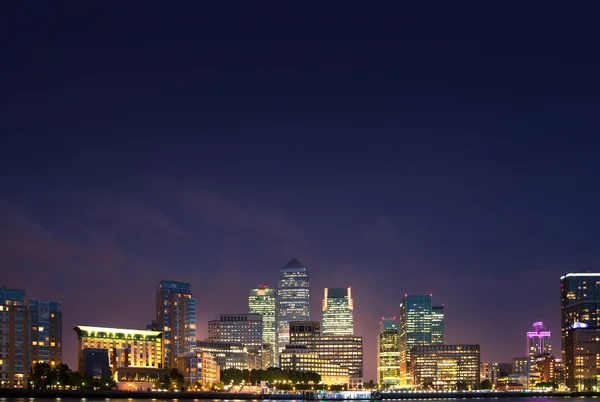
[496, 399]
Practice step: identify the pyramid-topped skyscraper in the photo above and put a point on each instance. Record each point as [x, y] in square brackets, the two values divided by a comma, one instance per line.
[293, 298]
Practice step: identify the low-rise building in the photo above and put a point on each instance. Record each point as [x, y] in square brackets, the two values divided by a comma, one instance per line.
[199, 369]
[228, 354]
[443, 366]
[299, 358]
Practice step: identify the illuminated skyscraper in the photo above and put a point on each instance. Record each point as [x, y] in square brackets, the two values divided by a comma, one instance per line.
[388, 353]
[45, 320]
[416, 328]
[293, 297]
[580, 330]
[176, 318]
[338, 312]
[538, 342]
[263, 301]
[437, 324]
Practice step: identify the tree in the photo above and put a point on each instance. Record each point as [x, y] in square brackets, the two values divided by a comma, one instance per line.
[176, 379]
[462, 386]
[63, 374]
[486, 384]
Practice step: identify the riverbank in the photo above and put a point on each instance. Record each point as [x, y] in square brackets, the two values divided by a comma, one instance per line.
[90, 394]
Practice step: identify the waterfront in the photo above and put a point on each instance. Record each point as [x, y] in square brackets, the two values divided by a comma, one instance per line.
[552, 398]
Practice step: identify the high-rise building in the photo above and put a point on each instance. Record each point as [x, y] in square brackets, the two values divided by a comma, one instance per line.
[263, 301]
[45, 322]
[338, 312]
[442, 366]
[538, 342]
[388, 353]
[126, 347]
[580, 330]
[176, 319]
[417, 328]
[437, 325]
[293, 298]
[243, 328]
[14, 347]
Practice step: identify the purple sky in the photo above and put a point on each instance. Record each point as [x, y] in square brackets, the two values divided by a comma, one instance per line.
[447, 150]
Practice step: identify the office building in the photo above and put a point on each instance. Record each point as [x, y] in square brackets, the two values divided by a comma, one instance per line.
[93, 363]
[345, 350]
[388, 353]
[14, 347]
[263, 301]
[243, 328]
[580, 330]
[338, 312]
[126, 347]
[45, 322]
[545, 365]
[293, 298]
[199, 369]
[176, 319]
[538, 342]
[300, 358]
[520, 365]
[416, 328]
[437, 325]
[504, 369]
[227, 354]
[441, 367]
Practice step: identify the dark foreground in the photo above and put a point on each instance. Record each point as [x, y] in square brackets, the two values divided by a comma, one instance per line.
[18, 393]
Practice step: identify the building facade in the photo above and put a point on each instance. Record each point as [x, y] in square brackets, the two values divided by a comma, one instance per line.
[227, 354]
[416, 328]
[338, 312]
[300, 358]
[441, 367]
[14, 331]
[242, 328]
[199, 369]
[490, 371]
[45, 318]
[293, 298]
[538, 342]
[263, 301]
[580, 320]
[388, 353]
[176, 319]
[126, 347]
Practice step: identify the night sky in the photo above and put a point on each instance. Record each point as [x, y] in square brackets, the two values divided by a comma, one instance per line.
[447, 148]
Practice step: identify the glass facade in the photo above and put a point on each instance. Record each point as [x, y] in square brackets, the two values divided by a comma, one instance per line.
[338, 312]
[293, 298]
[45, 319]
[417, 321]
[388, 353]
[580, 326]
[176, 318]
[263, 301]
[441, 367]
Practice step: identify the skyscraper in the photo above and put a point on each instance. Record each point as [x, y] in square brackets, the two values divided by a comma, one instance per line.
[176, 318]
[14, 348]
[416, 328]
[538, 343]
[263, 301]
[293, 298]
[580, 329]
[388, 352]
[45, 321]
[338, 312]
[437, 324]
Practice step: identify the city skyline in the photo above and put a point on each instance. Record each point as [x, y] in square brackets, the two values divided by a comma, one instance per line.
[405, 148]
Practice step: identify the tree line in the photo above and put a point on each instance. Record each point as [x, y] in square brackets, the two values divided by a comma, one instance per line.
[44, 376]
[272, 374]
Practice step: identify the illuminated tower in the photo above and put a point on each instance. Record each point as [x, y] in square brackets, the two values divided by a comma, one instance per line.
[45, 320]
[293, 298]
[176, 319]
[580, 330]
[388, 352]
[338, 312]
[538, 342]
[417, 323]
[263, 301]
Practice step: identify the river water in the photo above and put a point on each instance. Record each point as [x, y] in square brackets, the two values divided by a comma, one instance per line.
[512, 399]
